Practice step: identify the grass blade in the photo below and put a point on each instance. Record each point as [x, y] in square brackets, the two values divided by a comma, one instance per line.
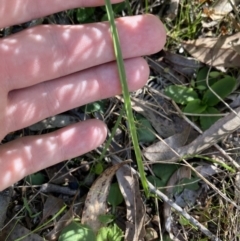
[126, 95]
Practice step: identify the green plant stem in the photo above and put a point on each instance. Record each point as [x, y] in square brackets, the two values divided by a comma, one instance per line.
[126, 95]
[146, 6]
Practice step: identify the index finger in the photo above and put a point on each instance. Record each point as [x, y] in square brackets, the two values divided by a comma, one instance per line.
[19, 11]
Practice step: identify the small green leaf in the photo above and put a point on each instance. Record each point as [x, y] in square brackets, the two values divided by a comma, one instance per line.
[202, 76]
[145, 131]
[215, 74]
[207, 121]
[164, 171]
[187, 183]
[115, 196]
[106, 218]
[111, 233]
[181, 94]
[95, 106]
[119, 7]
[76, 231]
[183, 221]
[155, 181]
[223, 88]
[84, 15]
[36, 178]
[195, 107]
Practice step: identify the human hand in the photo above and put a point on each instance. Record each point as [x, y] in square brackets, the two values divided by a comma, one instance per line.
[48, 69]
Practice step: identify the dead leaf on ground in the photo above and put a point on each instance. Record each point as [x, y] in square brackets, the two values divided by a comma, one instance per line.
[219, 130]
[184, 65]
[129, 186]
[182, 172]
[172, 10]
[59, 225]
[96, 201]
[217, 52]
[16, 231]
[5, 198]
[221, 8]
[161, 149]
[51, 207]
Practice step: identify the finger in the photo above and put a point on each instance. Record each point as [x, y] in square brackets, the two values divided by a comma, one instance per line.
[27, 106]
[47, 52]
[27, 155]
[19, 11]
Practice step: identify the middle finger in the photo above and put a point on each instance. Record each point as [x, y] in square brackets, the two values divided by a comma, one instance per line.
[48, 52]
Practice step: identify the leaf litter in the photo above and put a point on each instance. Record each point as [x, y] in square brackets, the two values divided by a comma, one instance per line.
[169, 128]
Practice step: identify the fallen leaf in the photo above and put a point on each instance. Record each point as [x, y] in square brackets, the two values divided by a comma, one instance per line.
[184, 65]
[172, 10]
[220, 129]
[161, 150]
[59, 225]
[16, 231]
[51, 207]
[129, 186]
[96, 201]
[217, 52]
[221, 8]
[5, 198]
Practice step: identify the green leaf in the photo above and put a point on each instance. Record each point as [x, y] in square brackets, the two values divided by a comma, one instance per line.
[119, 7]
[106, 218]
[155, 181]
[84, 15]
[95, 106]
[215, 74]
[145, 131]
[111, 233]
[164, 171]
[36, 178]
[202, 76]
[195, 106]
[183, 221]
[187, 183]
[115, 196]
[223, 88]
[181, 94]
[207, 121]
[76, 231]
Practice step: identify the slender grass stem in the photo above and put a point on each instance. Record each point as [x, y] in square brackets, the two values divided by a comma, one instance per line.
[126, 95]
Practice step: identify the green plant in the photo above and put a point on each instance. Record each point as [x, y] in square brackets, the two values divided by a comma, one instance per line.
[126, 95]
[201, 100]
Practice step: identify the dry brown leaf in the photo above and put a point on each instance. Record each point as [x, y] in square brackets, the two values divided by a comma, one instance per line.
[129, 186]
[161, 149]
[220, 129]
[217, 52]
[15, 231]
[222, 7]
[59, 225]
[164, 125]
[5, 198]
[51, 207]
[182, 172]
[172, 10]
[182, 64]
[96, 201]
